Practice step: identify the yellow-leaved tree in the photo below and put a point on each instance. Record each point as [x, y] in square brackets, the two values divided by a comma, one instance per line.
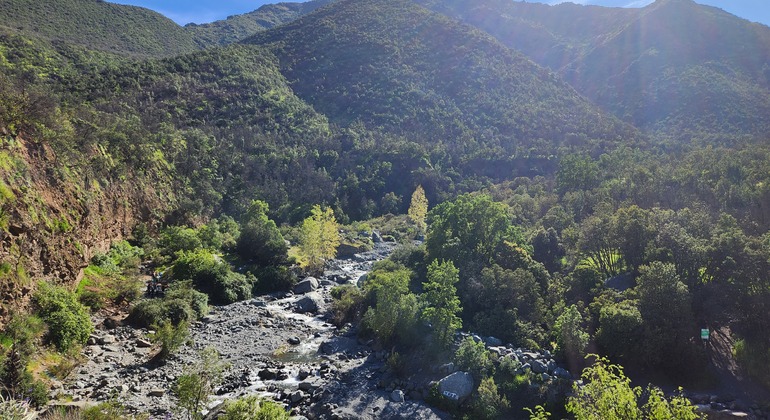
[320, 237]
[418, 209]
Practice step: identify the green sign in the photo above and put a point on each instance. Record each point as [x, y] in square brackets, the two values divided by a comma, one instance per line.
[704, 333]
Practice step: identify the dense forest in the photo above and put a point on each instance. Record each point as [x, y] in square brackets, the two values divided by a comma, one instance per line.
[569, 194]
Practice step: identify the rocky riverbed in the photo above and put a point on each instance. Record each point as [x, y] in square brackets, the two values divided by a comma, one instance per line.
[279, 346]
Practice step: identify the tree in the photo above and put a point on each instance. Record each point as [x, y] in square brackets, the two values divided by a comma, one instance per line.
[194, 386]
[442, 305]
[606, 394]
[418, 209]
[665, 307]
[319, 238]
[394, 314]
[260, 241]
[570, 336]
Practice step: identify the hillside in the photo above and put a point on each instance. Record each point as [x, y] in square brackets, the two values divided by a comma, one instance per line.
[419, 74]
[98, 25]
[235, 28]
[660, 68]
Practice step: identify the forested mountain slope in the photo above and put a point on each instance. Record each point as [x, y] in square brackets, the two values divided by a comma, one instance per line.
[414, 72]
[235, 28]
[675, 67]
[98, 25]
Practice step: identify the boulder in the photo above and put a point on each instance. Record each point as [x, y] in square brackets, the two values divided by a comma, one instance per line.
[538, 366]
[296, 396]
[267, 374]
[311, 302]
[493, 342]
[457, 386]
[142, 343]
[294, 341]
[397, 396]
[560, 372]
[376, 237]
[157, 392]
[306, 286]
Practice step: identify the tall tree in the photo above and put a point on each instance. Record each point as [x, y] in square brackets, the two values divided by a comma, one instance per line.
[418, 209]
[320, 237]
[442, 306]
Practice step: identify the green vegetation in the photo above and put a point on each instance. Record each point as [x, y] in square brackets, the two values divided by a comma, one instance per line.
[253, 407]
[194, 387]
[319, 238]
[69, 323]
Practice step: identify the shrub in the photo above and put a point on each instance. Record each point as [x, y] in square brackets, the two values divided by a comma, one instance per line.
[68, 320]
[194, 387]
[252, 407]
[473, 357]
[11, 409]
[489, 404]
[212, 276]
[273, 279]
[348, 304]
[170, 337]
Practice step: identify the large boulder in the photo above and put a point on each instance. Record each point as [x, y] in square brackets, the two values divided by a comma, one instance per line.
[311, 302]
[538, 366]
[457, 386]
[306, 286]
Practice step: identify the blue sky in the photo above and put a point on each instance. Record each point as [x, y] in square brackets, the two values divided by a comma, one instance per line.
[202, 11]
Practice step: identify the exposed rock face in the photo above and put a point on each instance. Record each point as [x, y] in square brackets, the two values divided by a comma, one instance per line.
[82, 216]
[457, 386]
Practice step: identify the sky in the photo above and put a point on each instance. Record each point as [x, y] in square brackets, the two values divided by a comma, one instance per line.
[202, 11]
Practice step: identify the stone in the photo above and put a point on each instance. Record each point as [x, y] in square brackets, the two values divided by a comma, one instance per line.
[311, 302]
[560, 372]
[397, 396]
[457, 386]
[306, 286]
[156, 392]
[267, 374]
[447, 368]
[142, 343]
[296, 396]
[107, 339]
[303, 374]
[376, 237]
[538, 366]
[493, 342]
[294, 341]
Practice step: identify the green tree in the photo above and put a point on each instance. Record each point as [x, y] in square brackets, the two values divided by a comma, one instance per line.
[489, 404]
[394, 314]
[254, 408]
[570, 336]
[418, 209]
[260, 242]
[319, 237]
[213, 276]
[170, 336]
[441, 304]
[605, 394]
[473, 357]
[666, 310]
[194, 387]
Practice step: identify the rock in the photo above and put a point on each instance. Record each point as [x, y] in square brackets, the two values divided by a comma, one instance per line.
[107, 339]
[545, 377]
[446, 369]
[457, 386]
[303, 374]
[493, 342]
[267, 374]
[297, 396]
[294, 341]
[397, 396]
[306, 286]
[538, 366]
[311, 302]
[338, 345]
[156, 392]
[376, 237]
[140, 342]
[560, 372]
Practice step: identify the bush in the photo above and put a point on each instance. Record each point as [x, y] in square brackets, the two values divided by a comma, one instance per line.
[11, 409]
[68, 320]
[210, 275]
[473, 357]
[252, 407]
[181, 304]
[273, 279]
[348, 304]
[489, 404]
[170, 337]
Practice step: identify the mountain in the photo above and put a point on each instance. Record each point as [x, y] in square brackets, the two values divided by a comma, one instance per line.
[675, 67]
[235, 28]
[419, 74]
[98, 25]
